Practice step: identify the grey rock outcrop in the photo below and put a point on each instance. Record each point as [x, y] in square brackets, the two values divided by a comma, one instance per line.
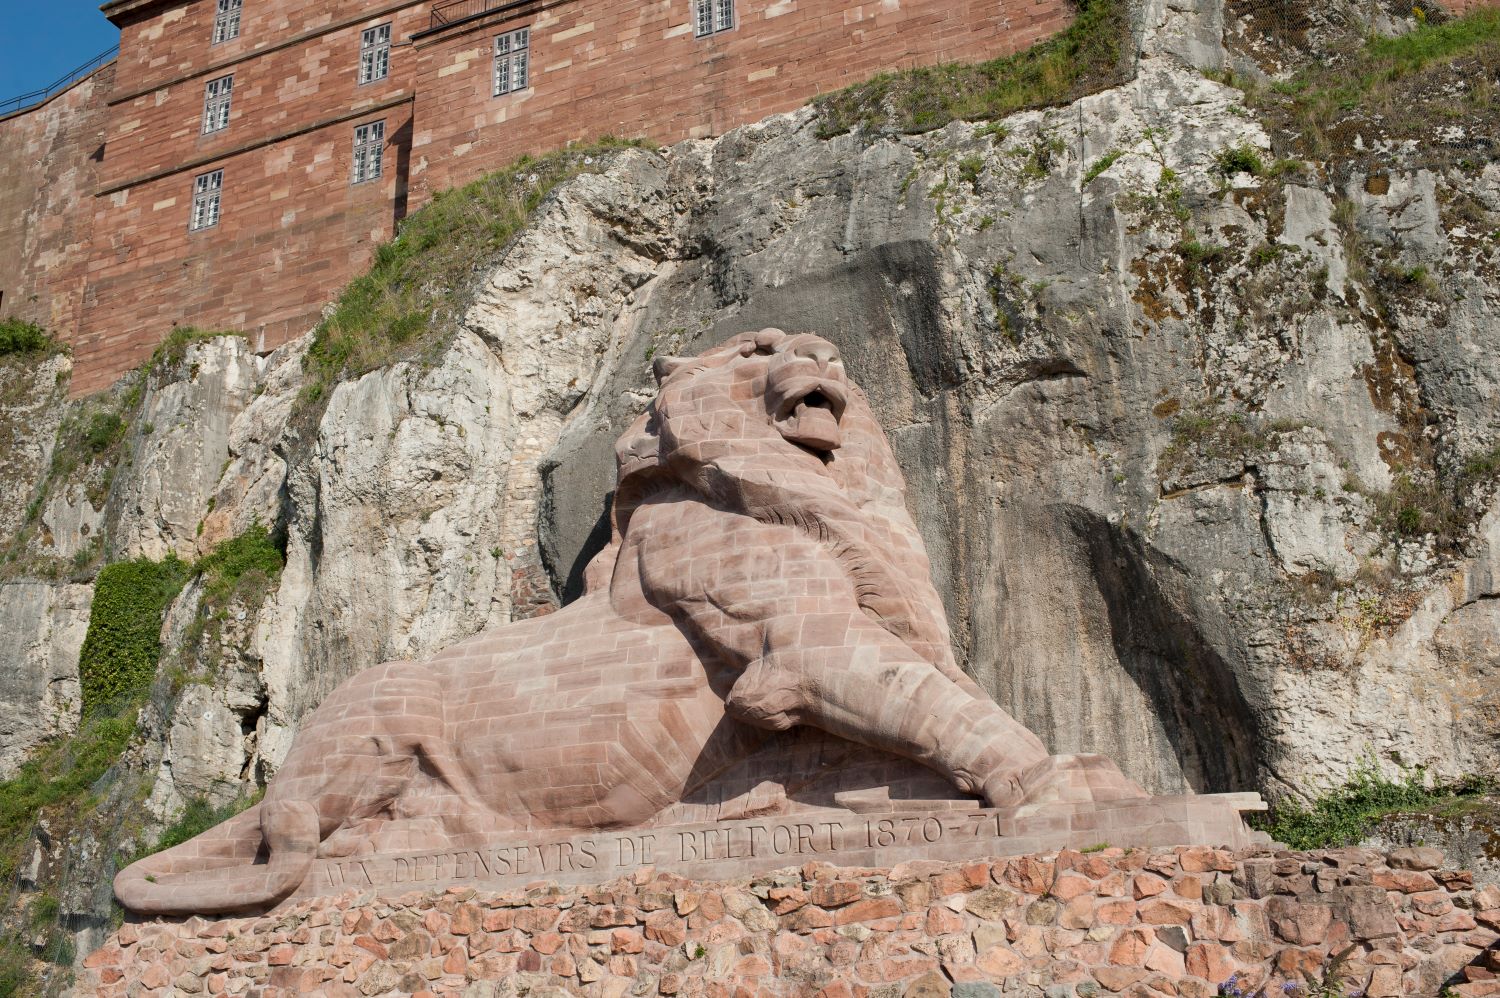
[183, 446]
[31, 410]
[44, 626]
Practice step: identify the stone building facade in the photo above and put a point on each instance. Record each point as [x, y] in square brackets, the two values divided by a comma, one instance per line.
[242, 159]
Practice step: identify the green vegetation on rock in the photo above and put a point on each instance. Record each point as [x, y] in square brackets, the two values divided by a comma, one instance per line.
[172, 351]
[21, 338]
[420, 281]
[251, 557]
[1213, 434]
[239, 573]
[1086, 57]
[66, 778]
[1406, 85]
[1348, 813]
[1242, 158]
[198, 817]
[62, 772]
[1427, 502]
[119, 656]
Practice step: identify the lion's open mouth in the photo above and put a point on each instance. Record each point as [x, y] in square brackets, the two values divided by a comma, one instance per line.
[810, 415]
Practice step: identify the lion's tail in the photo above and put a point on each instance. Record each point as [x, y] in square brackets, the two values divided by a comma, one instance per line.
[217, 872]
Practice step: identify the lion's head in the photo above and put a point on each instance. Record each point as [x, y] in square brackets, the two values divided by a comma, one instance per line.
[769, 425]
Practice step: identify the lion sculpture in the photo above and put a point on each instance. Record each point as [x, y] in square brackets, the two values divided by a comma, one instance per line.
[763, 575]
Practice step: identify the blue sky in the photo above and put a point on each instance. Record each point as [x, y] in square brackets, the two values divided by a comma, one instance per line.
[40, 40]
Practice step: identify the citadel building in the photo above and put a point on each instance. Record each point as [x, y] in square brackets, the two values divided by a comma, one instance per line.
[240, 160]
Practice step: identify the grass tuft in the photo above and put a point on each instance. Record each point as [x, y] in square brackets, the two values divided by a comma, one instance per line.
[1407, 84]
[62, 772]
[1239, 159]
[1086, 57]
[254, 553]
[1347, 814]
[198, 817]
[419, 282]
[1102, 164]
[172, 351]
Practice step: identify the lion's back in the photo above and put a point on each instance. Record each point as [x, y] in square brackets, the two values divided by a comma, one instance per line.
[558, 716]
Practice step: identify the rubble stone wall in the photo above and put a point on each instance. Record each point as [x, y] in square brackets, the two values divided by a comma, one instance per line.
[1192, 922]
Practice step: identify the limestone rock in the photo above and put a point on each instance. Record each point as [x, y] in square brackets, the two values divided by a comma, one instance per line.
[182, 449]
[31, 410]
[44, 626]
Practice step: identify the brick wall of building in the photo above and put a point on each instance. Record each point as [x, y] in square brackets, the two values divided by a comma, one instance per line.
[636, 69]
[293, 230]
[156, 126]
[163, 40]
[49, 160]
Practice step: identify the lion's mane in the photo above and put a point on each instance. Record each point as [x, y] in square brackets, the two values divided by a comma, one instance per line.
[705, 433]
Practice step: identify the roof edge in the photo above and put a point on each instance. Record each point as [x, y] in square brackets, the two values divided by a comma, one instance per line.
[114, 10]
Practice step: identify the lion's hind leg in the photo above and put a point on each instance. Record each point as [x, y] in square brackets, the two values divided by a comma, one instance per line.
[354, 758]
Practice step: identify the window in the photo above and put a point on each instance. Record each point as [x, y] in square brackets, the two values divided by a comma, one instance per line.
[216, 104]
[712, 16]
[227, 21]
[207, 189]
[512, 61]
[369, 144]
[375, 54]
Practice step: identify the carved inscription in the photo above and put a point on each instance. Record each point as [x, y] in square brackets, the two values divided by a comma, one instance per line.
[750, 844]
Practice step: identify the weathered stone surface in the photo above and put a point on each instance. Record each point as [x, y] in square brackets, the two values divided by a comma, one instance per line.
[160, 506]
[44, 626]
[32, 406]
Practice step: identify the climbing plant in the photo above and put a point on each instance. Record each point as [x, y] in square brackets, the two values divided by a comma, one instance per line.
[123, 645]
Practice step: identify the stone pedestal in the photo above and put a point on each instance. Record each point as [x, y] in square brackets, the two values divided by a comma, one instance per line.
[1065, 924]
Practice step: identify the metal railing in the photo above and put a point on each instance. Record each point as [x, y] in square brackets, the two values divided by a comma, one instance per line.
[453, 11]
[41, 96]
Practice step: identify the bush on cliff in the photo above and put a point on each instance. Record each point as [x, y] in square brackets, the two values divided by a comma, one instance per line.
[1347, 814]
[18, 338]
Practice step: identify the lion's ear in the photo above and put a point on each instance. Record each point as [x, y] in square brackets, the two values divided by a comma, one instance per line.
[665, 367]
[767, 340]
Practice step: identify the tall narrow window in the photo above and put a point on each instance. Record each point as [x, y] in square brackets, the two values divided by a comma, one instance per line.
[207, 189]
[227, 21]
[369, 144]
[375, 54]
[512, 61]
[216, 98]
[712, 16]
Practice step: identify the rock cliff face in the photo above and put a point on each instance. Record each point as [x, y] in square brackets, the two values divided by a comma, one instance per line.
[1204, 455]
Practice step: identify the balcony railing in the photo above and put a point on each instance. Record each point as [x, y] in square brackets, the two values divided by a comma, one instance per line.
[36, 97]
[453, 11]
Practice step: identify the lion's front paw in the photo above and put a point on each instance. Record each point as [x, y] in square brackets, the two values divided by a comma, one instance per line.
[1062, 779]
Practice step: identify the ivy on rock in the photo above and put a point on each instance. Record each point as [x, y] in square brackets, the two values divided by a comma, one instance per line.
[120, 653]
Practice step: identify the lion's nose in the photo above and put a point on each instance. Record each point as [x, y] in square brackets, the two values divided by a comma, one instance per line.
[820, 351]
